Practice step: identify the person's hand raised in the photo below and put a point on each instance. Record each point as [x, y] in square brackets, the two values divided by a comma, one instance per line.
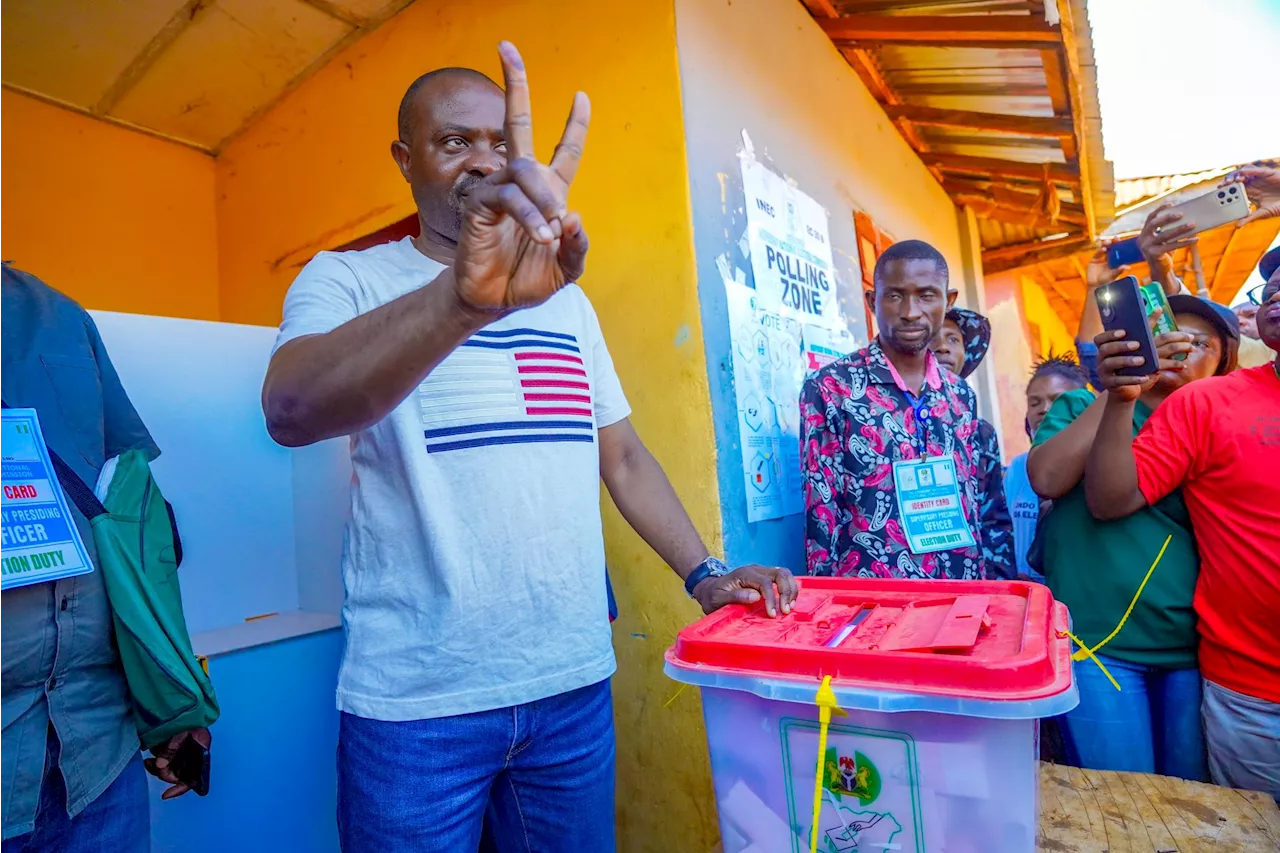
[1163, 233]
[519, 242]
[1099, 271]
[1262, 185]
[1114, 352]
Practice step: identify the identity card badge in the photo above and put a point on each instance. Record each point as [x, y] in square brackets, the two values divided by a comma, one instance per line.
[929, 504]
[39, 540]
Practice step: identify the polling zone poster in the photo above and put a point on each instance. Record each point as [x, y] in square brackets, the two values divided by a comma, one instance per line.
[785, 327]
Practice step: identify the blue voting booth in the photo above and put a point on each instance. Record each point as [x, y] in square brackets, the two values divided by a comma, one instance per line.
[262, 534]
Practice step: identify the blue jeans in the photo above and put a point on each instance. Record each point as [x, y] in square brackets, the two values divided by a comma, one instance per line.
[1151, 725]
[541, 775]
[118, 821]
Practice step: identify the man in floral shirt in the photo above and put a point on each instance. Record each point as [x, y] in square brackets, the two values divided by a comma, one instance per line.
[887, 403]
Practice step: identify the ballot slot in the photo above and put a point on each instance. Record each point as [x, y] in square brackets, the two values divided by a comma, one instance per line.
[847, 631]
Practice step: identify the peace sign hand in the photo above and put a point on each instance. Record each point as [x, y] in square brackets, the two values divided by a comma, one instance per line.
[519, 243]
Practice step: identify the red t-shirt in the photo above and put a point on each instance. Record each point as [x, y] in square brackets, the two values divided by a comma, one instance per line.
[1219, 439]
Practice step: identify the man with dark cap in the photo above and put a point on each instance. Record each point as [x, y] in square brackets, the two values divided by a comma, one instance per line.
[960, 346]
[470, 373]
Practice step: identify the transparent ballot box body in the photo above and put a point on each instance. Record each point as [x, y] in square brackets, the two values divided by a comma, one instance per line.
[942, 684]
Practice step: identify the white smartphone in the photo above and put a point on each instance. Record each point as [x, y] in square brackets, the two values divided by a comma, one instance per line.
[1223, 205]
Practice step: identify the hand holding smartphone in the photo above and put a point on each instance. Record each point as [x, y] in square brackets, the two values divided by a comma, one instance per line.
[1120, 304]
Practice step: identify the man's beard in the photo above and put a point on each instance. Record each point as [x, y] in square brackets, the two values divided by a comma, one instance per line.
[910, 347]
[446, 220]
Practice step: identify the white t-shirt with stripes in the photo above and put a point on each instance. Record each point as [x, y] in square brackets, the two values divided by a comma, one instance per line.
[474, 559]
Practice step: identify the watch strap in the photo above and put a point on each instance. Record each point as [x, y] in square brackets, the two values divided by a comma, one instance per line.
[710, 567]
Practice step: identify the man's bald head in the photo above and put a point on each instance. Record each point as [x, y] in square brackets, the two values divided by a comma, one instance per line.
[451, 137]
[432, 79]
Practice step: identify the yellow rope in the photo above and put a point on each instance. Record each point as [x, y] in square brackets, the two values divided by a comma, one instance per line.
[1087, 653]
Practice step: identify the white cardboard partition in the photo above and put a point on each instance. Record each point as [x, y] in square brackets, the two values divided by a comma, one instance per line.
[261, 525]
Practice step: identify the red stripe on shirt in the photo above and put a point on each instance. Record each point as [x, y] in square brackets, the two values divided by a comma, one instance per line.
[553, 383]
[549, 356]
[535, 410]
[569, 371]
[558, 398]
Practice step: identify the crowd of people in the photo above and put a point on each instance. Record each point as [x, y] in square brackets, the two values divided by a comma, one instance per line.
[1149, 504]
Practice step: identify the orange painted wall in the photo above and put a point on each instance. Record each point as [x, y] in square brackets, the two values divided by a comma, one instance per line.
[119, 220]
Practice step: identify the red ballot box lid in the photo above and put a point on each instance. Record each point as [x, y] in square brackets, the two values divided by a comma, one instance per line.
[971, 639]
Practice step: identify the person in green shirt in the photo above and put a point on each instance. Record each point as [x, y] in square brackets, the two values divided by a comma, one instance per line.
[1152, 724]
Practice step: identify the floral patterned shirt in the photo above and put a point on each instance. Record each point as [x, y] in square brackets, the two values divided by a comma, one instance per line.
[857, 421]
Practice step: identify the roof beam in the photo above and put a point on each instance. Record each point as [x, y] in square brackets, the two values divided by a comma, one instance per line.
[1075, 151]
[1056, 80]
[1020, 254]
[338, 13]
[141, 64]
[1009, 31]
[821, 8]
[1007, 195]
[985, 207]
[1051, 127]
[1059, 173]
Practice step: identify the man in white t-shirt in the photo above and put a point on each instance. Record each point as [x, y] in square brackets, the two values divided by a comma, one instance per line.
[483, 411]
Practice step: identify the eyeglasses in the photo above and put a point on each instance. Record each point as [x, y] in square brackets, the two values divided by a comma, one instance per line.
[1259, 295]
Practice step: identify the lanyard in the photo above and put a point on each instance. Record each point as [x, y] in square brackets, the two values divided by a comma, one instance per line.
[921, 409]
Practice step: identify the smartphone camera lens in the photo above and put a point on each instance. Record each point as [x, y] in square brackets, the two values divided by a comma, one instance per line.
[1221, 194]
[1232, 190]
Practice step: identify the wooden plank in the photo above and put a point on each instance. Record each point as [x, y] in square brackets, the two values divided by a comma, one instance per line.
[1093, 811]
[1056, 79]
[1020, 254]
[1077, 153]
[1184, 836]
[1036, 126]
[821, 8]
[1011, 31]
[986, 207]
[141, 64]
[387, 12]
[333, 10]
[1008, 194]
[1157, 834]
[1058, 172]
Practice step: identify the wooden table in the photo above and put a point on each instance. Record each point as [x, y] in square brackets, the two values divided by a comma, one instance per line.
[1096, 811]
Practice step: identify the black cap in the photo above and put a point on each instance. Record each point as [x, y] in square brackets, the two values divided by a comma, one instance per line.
[1220, 317]
[1267, 266]
[976, 331]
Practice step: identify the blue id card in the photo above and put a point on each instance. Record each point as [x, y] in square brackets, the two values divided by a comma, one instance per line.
[929, 504]
[39, 540]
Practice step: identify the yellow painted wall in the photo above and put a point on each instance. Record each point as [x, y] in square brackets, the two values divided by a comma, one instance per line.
[1025, 329]
[118, 220]
[315, 172]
